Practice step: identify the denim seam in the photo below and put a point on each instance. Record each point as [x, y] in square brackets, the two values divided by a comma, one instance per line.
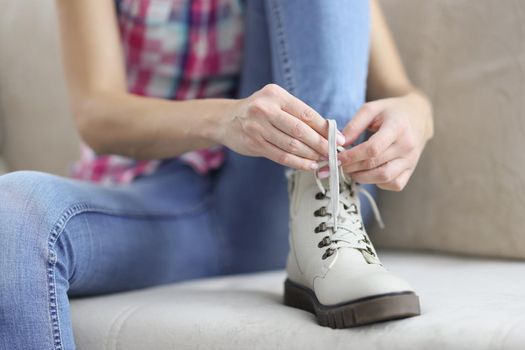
[59, 227]
[282, 48]
[75, 274]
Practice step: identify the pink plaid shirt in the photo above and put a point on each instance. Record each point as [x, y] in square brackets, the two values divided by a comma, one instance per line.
[179, 50]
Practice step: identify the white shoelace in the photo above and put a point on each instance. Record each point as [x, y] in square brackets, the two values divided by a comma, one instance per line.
[346, 225]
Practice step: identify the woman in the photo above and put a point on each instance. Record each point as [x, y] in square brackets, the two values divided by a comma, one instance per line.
[183, 211]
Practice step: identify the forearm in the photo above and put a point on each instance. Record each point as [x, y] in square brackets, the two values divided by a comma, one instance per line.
[386, 74]
[148, 128]
[422, 107]
[109, 119]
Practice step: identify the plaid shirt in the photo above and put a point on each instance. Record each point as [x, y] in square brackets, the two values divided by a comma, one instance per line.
[178, 50]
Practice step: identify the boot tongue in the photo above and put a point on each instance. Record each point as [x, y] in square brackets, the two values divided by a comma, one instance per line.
[326, 184]
[350, 257]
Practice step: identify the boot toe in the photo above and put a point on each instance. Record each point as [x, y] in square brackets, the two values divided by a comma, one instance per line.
[346, 286]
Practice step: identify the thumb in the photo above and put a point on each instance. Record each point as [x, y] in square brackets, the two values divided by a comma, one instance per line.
[360, 121]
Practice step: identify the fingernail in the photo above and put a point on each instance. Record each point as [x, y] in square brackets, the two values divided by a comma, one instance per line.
[340, 139]
[314, 166]
[339, 163]
[323, 174]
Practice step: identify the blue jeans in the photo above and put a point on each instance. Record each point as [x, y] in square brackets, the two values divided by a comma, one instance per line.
[61, 238]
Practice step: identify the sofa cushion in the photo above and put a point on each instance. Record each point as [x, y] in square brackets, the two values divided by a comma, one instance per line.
[468, 193]
[466, 304]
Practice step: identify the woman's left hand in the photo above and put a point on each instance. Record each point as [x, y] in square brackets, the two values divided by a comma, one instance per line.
[401, 126]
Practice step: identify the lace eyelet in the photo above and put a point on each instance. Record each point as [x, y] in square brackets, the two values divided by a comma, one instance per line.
[370, 251]
[327, 253]
[320, 212]
[321, 228]
[325, 242]
[320, 195]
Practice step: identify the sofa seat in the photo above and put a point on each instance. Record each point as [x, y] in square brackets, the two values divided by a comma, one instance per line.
[466, 304]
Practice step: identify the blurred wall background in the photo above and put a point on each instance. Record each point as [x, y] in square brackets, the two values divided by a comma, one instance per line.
[37, 128]
[468, 192]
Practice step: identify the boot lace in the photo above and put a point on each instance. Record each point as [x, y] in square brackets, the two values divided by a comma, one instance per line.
[344, 227]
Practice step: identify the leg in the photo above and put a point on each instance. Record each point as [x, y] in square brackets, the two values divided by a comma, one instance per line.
[320, 52]
[250, 196]
[61, 237]
[298, 45]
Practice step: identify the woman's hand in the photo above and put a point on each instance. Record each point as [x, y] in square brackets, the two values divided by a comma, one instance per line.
[401, 126]
[274, 124]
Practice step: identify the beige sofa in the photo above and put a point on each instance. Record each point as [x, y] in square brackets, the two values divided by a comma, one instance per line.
[467, 197]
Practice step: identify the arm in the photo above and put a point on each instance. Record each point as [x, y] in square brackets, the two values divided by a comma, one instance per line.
[270, 123]
[386, 75]
[109, 119]
[399, 115]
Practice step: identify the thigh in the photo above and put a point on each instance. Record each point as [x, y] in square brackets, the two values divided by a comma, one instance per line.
[160, 233]
[63, 237]
[112, 253]
[101, 239]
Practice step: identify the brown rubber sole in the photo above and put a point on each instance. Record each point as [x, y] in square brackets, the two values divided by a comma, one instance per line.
[355, 313]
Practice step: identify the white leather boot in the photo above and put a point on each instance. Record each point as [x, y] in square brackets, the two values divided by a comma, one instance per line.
[333, 269]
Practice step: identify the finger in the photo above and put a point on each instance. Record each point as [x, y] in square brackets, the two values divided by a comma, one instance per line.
[289, 144]
[398, 183]
[299, 130]
[382, 174]
[287, 159]
[393, 152]
[374, 146]
[306, 114]
[360, 122]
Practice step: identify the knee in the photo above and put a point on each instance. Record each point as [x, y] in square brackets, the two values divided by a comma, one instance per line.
[20, 188]
[31, 206]
[17, 181]
[26, 202]
[22, 179]
[22, 234]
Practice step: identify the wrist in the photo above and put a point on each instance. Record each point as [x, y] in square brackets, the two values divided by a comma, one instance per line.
[214, 123]
[423, 106]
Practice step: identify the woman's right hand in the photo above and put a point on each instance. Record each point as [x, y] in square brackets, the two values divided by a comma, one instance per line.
[274, 124]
